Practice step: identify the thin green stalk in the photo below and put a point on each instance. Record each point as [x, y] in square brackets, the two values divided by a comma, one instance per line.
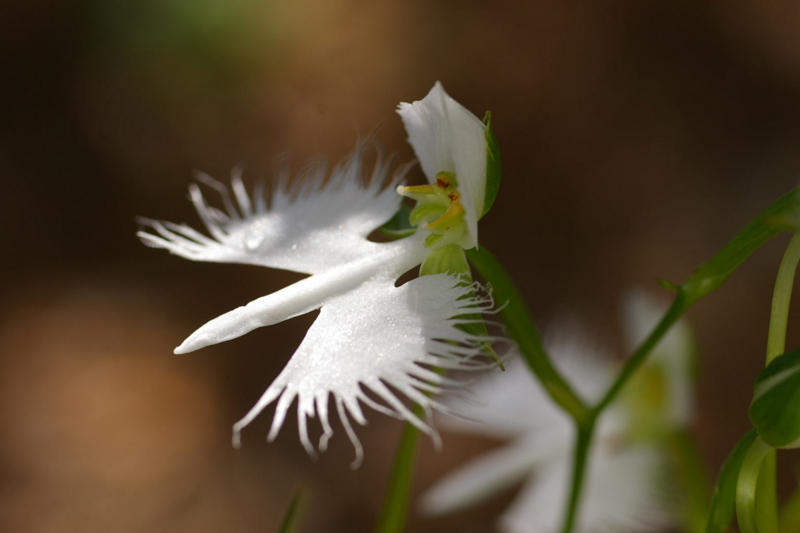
[291, 517]
[749, 512]
[704, 280]
[398, 491]
[523, 330]
[723, 498]
[582, 445]
[766, 495]
[781, 297]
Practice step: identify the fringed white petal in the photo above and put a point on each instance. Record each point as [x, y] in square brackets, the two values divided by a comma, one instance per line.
[446, 137]
[622, 495]
[492, 472]
[375, 345]
[313, 225]
[673, 355]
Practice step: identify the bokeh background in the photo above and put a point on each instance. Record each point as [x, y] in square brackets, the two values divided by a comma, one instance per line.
[637, 137]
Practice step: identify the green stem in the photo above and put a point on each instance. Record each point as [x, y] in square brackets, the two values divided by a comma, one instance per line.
[678, 307]
[523, 330]
[398, 491]
[291, 516]
[723, 499]
[781, 297]
[749, 512]
[704, 280]
[579, 464]
[766, 493]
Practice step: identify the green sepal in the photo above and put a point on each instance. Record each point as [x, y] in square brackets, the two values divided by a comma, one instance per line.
[399, 226]
[714, 272]
[448, 259]
[493, 168]
[775, 410]
[723, 500]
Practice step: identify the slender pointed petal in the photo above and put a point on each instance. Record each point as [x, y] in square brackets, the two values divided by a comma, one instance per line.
[374, 338]
[321, 225]
[446, 137]
[306, 295]
[492, 472]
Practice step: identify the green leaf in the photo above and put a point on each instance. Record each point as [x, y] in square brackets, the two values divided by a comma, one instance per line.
[492, 166]
[399, 225]
[289, 522]
[713, 273]
[724, 496]
[775, 410]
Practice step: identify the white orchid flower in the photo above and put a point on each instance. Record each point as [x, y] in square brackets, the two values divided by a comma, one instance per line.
[452, 145]
[370, 334]
[623, 490]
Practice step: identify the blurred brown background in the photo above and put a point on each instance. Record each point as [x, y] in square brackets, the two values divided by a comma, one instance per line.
[636, 138]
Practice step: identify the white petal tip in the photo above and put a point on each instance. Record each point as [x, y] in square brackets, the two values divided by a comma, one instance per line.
[193, 343]
[182, 349]
[429, 508]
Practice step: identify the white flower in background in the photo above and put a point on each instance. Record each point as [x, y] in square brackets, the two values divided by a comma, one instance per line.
[369, 333]
[661, 397]
[624, 489]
